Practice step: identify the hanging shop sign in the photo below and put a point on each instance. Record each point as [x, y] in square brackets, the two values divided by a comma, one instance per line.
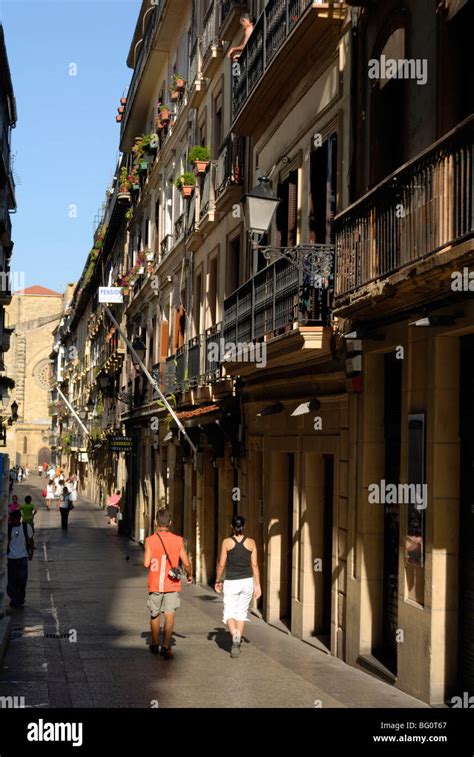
[120, 443]
[110, 295]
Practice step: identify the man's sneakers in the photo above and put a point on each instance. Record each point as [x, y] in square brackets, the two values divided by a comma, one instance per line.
[236, 641]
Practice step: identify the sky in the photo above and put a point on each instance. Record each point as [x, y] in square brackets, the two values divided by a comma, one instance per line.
[65, 144]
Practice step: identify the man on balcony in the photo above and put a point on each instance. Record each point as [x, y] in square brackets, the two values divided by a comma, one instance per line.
[247, 23]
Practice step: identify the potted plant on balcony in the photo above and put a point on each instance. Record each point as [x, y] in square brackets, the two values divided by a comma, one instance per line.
[149, 256]
[186, 183]
[164, 113]
[124, 186]
[200, 158]
[140, 266]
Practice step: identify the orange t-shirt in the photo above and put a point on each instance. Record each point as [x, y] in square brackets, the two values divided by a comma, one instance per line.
[158, 579]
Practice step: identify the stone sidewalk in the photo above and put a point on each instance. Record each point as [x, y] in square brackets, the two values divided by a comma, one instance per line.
[92, 581]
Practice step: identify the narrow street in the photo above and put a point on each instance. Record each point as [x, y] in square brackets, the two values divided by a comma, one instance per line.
[91, 581]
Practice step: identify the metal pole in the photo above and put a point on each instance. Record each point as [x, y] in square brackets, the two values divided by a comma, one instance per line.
[152, 380]
[73, 411]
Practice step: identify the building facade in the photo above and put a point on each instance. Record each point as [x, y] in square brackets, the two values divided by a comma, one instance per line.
[290, 358]
[8, 118]
[32, 315]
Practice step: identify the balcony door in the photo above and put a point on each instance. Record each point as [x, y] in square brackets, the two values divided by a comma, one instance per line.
[322, 193]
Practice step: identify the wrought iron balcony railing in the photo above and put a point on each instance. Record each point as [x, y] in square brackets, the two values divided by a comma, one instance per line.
[230, 164]
[274, 25]
[424, 206]
[210, 32]
[142, 59]
[275, 299]
[194, 362]
[213, 368]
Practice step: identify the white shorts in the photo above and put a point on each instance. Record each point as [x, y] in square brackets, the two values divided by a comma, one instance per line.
[237, 597]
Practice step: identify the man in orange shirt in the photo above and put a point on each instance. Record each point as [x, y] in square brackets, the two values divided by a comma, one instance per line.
[163, 551]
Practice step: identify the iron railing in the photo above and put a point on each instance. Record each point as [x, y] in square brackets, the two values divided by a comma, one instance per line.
[179, 227]
[191, 217]
[274, 299]
[210, 29]
[166, 244]
[212, 337]
[142, 59]
[194, 361]
[273, 26]
[230, 164]
[207, 192]
[424, 206]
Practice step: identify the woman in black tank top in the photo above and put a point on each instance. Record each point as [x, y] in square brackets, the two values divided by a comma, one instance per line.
[239, 559]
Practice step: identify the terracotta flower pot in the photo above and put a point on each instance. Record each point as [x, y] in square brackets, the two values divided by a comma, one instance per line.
[180, 84]
[165, 114]
[201, 165]
[123, 100]
[187, 190]
[174, 96]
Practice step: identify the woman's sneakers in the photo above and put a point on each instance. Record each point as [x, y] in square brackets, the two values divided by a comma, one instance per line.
[154, 648]
[236, 641]
[166, 653]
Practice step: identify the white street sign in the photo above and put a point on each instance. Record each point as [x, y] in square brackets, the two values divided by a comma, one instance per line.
[110, 295]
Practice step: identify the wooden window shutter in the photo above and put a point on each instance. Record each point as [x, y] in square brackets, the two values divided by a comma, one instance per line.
[164, 339]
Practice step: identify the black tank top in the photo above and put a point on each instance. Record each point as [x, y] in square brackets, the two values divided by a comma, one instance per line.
[239, 561]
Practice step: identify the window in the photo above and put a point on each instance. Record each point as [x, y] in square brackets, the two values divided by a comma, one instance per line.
[218, 124]
[197, 305]
[322, 193]
[212, 291]
[287, 211]
[233, 266]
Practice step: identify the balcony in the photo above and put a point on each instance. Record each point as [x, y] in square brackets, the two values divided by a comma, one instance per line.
[193, 237]
[229, 173]
[290, 39]
[5, 339]
[165, 245]
[212, 337]
[5, 227]
[152, 50]
[280, 301]
[207, 205]
[398, 245]
[231, 11]
[211, 45]
[194, 362]
[197, 83]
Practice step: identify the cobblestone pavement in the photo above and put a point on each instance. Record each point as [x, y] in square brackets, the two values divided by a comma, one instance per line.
[92, 580]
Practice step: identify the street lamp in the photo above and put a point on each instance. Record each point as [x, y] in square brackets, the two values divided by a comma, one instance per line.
[259, 206]
[140, 350]
[90, 406]
[14, 409]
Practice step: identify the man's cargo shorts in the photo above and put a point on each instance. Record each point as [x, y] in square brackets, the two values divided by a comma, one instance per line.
[162, 601]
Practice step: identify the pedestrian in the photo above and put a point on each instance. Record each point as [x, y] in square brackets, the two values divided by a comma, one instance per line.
[51, 472]
[72, 488]
[65, 506]
[11, 479]
[14, 504]
[58, 492]
[40, 471]
[247, 23]
[113, 507]
[28, 512]
[163, 552]
[20, 473]
[49, 493]
[27, 470]
[19, 551]
[239, 559]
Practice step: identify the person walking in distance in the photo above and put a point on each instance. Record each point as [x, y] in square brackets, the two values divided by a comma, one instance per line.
[28, 512]
[113, 507]
[64, 507]
[163, 551]
[239, 559]
[40, 471]
[19, 551]
[58, 491]
[50, 489]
